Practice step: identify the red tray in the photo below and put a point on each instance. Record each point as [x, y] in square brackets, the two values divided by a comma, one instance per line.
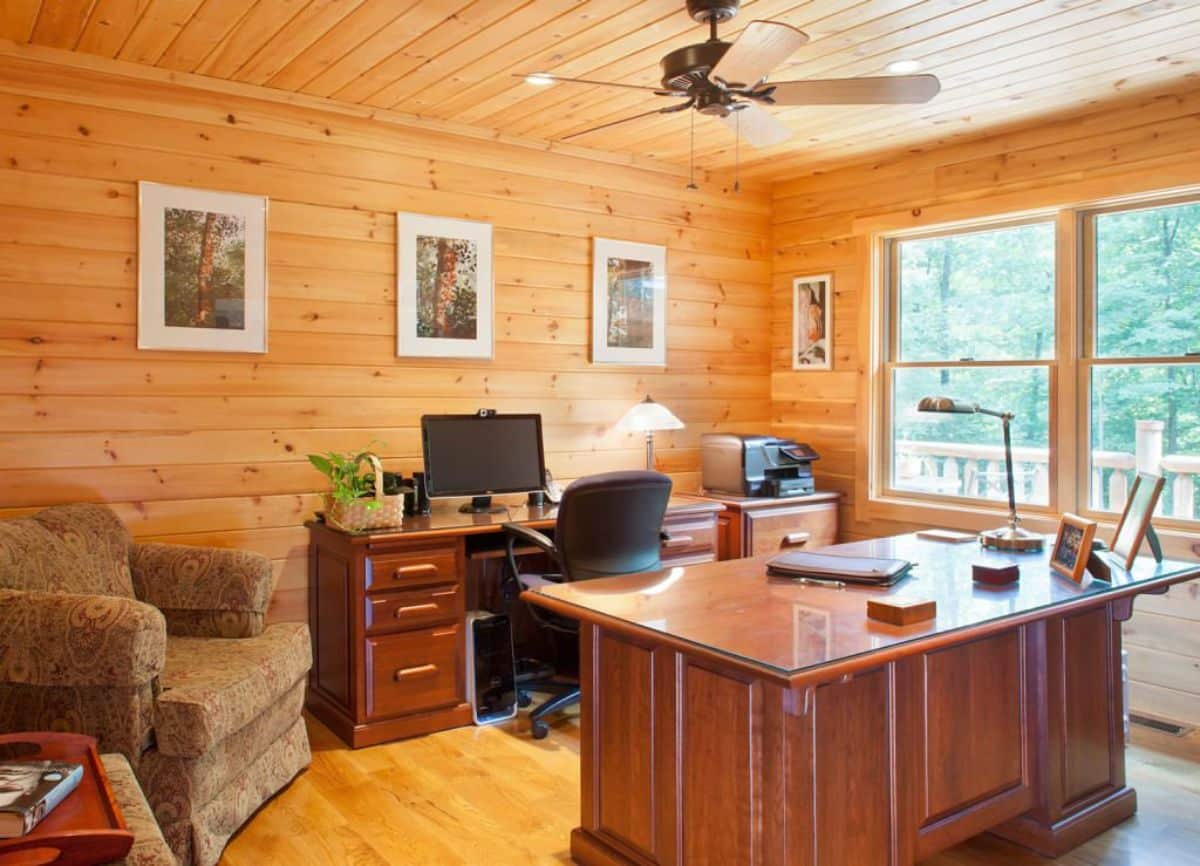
[86, 828]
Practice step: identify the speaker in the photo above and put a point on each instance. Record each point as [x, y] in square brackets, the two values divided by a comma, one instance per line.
[491, 674]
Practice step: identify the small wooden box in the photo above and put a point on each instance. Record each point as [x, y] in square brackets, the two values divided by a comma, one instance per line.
[896, 612]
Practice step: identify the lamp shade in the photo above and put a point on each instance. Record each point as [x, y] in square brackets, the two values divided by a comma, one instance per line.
[649, 415]
[946, 404]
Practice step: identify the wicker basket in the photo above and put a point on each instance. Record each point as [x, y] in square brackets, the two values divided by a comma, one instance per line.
[359, 515]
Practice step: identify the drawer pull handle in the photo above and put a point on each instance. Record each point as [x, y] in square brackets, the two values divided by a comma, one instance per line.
[678, 541]
[418, 671]
[409, 570]
[795, 539]
[445, 593]
[402, 612]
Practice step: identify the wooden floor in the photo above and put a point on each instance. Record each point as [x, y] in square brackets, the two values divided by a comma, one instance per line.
[494, 795]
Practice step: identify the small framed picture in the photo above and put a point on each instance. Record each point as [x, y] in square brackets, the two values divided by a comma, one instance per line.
[202, 270]
[1135, 519]
[1072, 546]
[812, 323]
[629, 303]
[444, 291]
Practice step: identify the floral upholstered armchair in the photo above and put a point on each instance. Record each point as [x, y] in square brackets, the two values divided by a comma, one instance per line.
[162, 653]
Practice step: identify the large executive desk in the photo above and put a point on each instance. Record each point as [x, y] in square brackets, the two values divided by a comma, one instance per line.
[733, 718]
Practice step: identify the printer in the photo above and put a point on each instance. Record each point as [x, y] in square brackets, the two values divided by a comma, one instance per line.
[755, 465]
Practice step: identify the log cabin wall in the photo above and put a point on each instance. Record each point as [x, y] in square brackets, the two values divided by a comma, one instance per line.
[823, 221]
[210, 448]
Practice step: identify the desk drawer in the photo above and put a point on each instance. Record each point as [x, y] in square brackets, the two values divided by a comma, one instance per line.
[774, 529]
[692, 540]
[412, 671]
[422, 566]
[413, 608]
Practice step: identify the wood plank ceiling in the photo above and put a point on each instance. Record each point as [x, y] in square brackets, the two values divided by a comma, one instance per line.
[999, 60]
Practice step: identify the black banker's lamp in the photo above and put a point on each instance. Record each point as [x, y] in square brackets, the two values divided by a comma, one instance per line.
[1010, 537]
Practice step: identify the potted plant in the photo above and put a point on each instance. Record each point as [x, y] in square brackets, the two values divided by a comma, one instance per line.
[363, 496]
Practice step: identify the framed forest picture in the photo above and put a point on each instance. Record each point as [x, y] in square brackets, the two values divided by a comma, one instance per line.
[444, 292]
[629, 303]
[202, 270]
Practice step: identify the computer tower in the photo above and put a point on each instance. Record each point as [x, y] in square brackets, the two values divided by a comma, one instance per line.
[491, 674]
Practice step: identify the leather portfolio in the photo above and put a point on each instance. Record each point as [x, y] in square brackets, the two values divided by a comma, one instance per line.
[876, 571]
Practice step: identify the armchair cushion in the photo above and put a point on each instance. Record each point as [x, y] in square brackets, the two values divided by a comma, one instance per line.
[212, 687]
[64, 639]
[204, 591]
[68, 548]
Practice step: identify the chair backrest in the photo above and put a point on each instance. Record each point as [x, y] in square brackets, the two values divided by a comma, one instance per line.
[68, 548]
[611, 524]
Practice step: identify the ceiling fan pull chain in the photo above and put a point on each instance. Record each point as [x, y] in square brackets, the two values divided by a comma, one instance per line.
[737, 154]
[692, 156]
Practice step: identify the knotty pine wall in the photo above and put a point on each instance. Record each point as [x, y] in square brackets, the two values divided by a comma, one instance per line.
[204, 448]
[823, 222]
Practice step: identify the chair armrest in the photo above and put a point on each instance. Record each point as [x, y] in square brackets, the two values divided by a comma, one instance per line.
[65, 639]
[204, 591]
[515, 532]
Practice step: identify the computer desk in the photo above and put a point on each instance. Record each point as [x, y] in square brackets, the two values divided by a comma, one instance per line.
[729, 717]
[387, 612]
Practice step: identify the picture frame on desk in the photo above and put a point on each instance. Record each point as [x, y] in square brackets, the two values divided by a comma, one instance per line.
[1134, 524]
[1072, 546]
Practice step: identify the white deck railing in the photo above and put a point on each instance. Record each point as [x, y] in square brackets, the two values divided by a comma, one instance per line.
[977, 471]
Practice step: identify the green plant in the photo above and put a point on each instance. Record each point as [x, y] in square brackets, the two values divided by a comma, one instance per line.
[346, 472]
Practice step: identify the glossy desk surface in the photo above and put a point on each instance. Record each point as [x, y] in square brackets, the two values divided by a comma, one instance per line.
[735, 609]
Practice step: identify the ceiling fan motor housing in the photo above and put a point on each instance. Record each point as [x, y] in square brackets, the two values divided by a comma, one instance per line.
[712, 10]
[691, 64]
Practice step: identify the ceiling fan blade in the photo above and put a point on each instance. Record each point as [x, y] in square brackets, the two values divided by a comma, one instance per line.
[757, 126]
[883, 90]
[669, 110]
[551, 78]
[762, 46]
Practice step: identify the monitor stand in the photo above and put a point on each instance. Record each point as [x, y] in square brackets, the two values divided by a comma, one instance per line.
[481, 505]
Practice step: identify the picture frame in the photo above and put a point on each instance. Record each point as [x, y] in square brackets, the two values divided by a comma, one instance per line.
[202, 270]
[629, 303]
[812, 322]
[445, 294]
[1072, 546]
[1134, 524]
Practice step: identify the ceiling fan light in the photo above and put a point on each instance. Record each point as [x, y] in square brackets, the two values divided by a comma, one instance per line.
[539, 79]
[904, 67]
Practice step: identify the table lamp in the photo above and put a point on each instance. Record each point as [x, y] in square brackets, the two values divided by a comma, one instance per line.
[1010, 537]
[646, 417]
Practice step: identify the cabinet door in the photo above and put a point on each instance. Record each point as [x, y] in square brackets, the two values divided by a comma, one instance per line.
[770, 530]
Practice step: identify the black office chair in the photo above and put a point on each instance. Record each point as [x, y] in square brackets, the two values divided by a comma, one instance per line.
[607, 524]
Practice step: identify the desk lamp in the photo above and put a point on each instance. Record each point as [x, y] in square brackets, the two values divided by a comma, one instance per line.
[1009, 537]
[646, 417]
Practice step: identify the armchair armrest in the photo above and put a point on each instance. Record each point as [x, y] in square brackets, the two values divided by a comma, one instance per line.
[204, 591]
[65, 639]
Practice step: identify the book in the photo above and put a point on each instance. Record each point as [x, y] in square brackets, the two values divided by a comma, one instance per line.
[949, 536]
[29, 791]
[837, 568]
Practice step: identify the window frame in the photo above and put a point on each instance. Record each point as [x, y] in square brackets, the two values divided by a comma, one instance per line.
[1070, 372]
[883, 488]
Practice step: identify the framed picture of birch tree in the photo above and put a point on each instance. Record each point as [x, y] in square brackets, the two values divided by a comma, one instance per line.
[629, 303]
[202, 270]
[444, 292]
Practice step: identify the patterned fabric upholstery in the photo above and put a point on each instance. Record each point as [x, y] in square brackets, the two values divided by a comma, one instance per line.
[186, 682]
[68, 548]
[212, 687]
[204, 591]
[63, 639]
[149, 847]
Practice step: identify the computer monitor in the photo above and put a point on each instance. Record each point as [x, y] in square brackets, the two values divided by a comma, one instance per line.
[482, 454]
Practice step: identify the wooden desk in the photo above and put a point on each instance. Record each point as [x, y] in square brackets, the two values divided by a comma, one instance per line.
[732, 718]
[387, 613]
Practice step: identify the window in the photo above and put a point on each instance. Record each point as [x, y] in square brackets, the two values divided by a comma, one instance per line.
[972, 317]
[1084, 323]
[1142, 287]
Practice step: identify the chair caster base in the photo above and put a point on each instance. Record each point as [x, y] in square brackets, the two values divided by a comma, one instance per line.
[540, 730]
[524, 699]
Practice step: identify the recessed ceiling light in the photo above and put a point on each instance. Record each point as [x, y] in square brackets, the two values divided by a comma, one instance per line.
[540, 79]
[903, 67]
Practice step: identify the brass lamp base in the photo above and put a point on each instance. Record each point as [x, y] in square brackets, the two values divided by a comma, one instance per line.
[1011, 538]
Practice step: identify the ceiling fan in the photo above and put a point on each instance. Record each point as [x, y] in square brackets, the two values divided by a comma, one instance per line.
[727, 80]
